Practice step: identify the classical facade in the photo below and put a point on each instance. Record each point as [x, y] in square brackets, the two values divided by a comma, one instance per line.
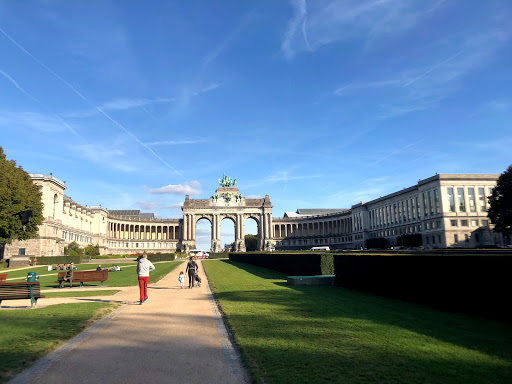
[446, 210]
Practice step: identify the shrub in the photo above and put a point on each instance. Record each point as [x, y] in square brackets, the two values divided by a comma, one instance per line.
[49, 260]
[292, 263]
[218, 255]
[161, 257]
[380, 242]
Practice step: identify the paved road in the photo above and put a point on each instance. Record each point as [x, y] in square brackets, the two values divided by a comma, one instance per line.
[177, 336]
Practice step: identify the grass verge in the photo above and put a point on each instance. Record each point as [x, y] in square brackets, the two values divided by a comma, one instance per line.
[27, 335]
[76, 293]
[320, 334]
[124, 278]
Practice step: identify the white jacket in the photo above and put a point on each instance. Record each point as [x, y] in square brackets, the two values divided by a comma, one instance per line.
[144, 266]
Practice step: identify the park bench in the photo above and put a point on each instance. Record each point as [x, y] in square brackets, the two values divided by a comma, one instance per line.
[85, 277]
[3, 277]
[13, 291]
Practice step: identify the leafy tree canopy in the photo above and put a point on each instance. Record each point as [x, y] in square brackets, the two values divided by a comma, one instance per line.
[251, 243]
[500, 210]
[17, 194]
[73, 249]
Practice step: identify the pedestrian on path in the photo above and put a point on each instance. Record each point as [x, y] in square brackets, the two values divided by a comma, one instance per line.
[181, 278]
[192, 270]
[144, 266]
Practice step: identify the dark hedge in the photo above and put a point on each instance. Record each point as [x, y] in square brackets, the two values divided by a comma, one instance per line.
[218, 255]
[294, 264]
[161, 256]
[49, 260]
[473, 284]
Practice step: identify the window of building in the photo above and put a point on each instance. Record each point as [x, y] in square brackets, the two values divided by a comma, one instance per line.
[425, 204]
[451, 200]
[471, 196]
[490, 189]
[427, 238]
[433, 224]
[433, 239]
[466, 238]
[438, 223]
[462, 203]
[456, 238]
[481, 199]
[21, 251]
[474, 223]
[427, 225]
[464, 223]
[431, 202]
[485, 223]
[439, 238]
[436, 199]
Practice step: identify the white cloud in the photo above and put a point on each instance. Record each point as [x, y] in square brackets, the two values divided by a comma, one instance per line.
[317, 24]
[174, 142]
[110, 157]
[254, 197]
[32, 120]
[156, 205]
[189, 188]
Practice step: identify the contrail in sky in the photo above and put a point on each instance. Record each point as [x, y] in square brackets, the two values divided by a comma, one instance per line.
[90, 103]
[435, 67]
[37, 101]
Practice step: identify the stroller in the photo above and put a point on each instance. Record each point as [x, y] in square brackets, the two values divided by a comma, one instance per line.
[197, 281]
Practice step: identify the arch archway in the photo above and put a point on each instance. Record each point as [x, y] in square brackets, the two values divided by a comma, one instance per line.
[251, 226]
[203, 231]
[228, 203]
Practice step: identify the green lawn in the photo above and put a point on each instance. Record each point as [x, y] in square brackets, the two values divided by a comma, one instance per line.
[27, 335]
[78, 293]
[126, 277]
[323, 334]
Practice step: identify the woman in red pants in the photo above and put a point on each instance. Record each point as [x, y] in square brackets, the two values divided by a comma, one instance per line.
[143, 268]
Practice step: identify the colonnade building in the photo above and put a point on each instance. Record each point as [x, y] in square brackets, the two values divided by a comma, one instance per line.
[446, 210]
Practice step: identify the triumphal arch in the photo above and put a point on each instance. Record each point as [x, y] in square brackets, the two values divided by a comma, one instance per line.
[227, 203]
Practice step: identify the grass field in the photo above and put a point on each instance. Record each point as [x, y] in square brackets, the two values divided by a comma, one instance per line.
[126, 277]
[320, 334]
[27, 335]
[78, 293]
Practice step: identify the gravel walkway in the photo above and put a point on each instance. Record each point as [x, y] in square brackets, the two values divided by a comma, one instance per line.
[177, 336]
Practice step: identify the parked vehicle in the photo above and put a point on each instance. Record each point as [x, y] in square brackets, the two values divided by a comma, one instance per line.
[199, 253]
[324, 248]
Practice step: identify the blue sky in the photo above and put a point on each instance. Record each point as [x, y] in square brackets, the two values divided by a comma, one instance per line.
[316, 103]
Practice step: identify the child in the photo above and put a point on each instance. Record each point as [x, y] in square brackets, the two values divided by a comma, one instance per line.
[181, 278]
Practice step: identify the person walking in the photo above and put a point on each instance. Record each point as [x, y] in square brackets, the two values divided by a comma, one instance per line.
[181, 279]
[144, 266]
[192, 270]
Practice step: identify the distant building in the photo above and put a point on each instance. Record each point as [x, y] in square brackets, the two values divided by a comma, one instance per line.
[446, 210]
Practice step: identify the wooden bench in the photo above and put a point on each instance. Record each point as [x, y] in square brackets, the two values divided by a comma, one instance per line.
[3, 277]
[13, 291]
[85, 276]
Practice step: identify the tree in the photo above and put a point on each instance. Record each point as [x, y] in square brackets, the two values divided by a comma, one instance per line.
[92, 250]
[251, 243]
[412, 240]
[73, 249]
[500, 202]
[379, 242]
[18, 194]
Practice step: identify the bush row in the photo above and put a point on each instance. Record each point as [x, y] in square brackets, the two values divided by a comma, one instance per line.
[478, 285]
[218, 255]
[161, 257]
[295, 264]
[49, 260]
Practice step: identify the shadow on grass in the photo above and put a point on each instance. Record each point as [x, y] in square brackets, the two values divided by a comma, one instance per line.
[327, 302]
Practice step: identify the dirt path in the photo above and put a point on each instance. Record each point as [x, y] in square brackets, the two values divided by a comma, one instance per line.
[177, 336]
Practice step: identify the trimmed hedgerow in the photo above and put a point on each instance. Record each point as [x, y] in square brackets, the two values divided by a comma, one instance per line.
[218, 255]
[48, 260]
[295, 264]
